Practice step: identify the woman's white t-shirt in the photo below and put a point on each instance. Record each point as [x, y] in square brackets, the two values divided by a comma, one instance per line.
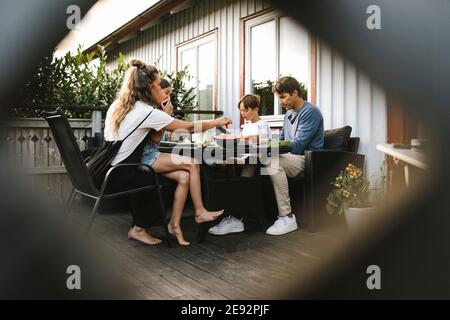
[157, 120]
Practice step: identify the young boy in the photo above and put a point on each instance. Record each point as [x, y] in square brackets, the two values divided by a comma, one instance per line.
[254, 129]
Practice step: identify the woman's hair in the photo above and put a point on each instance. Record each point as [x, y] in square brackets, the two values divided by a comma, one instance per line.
[249, 101]
[164, 83]
[135, 87]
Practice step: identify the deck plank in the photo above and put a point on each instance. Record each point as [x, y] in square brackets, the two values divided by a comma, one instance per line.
[172, 270]
[173, 257]
[238, 261]
[247, 265]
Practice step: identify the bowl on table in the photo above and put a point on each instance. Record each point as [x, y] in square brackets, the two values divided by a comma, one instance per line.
[227, 140]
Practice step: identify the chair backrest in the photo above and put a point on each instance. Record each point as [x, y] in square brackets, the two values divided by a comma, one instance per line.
[70, 152]
[353, 144]
[339, 140]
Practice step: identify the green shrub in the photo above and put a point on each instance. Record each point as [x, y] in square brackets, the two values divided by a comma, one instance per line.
[74, 80]
[81, 81]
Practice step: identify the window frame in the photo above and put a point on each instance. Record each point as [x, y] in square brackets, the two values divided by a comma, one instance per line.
[259, 18]
[195, 43]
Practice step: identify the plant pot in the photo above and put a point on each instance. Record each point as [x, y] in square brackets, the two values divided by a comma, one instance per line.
[354, 216]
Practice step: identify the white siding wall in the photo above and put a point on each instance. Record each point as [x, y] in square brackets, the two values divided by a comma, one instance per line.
[345, 95]
[159, 42]
[348, 97]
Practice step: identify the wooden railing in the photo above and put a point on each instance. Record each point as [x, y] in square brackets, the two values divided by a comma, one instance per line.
[29, 144]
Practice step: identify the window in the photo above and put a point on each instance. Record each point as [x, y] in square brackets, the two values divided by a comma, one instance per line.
[200, 57]
[274, 45]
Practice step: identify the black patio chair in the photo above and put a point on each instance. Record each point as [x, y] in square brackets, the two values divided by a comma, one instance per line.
[81, 179]
[321, 167]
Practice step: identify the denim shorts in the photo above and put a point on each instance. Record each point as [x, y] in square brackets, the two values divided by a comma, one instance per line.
[149, 154]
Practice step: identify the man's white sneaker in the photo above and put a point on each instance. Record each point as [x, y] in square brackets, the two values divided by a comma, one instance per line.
[283, 225]
[228, 225]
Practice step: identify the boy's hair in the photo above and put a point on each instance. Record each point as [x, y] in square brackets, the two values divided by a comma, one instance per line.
[164, 83]
[249, 101]
[288, 84]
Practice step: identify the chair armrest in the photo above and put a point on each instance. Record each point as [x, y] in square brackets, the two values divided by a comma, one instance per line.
[165, 149]
[121, 165]
[325, 165]
[326, 159]
[353, 144]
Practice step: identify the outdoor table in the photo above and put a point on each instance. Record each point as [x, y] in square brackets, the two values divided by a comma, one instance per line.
[225, 189]
[249, 154]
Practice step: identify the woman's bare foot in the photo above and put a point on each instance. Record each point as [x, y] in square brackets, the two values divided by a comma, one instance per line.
[178, 234]
[143, 236]
[206, 216]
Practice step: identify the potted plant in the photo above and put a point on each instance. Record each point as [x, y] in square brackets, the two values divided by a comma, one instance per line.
[350, 195]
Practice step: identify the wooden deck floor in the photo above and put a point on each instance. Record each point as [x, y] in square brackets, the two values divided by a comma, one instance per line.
[247, 265]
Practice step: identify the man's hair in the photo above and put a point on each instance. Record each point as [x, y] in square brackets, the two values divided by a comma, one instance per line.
[249, 101]
[164, 83]
[288, 84]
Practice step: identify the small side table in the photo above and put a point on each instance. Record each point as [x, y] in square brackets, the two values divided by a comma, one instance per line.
[409, 157]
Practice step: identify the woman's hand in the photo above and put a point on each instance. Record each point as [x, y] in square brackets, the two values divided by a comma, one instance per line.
[223, 122]
[198, 125]
[167, 106]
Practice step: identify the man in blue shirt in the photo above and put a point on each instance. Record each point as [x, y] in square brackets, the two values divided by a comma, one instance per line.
[303, 127]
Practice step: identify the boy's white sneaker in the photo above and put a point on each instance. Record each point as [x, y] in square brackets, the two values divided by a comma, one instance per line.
[228, 225]
[283, 225]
